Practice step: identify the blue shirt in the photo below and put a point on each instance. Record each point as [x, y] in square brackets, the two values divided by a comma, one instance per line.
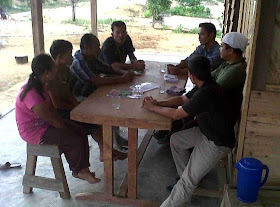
[213, 54]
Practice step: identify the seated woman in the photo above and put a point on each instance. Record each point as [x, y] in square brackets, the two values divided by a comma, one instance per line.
[39, 123]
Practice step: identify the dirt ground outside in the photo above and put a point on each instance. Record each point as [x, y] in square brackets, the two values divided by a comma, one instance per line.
[16, 36]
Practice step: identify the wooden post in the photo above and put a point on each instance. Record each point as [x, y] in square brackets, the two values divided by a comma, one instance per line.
[247, 87]
[94, 17]
[108, 160]
[37, 26]
[264, 45]
[132, 162]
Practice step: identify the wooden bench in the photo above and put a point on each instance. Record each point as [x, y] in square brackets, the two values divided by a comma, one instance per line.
[31, 181]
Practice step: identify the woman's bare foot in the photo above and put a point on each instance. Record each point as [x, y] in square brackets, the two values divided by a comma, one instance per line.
[119, 155]
[116, 156]
[75, 175]
[86, 175]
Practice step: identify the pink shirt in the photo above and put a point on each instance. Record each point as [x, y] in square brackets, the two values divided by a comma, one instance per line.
[31, 127]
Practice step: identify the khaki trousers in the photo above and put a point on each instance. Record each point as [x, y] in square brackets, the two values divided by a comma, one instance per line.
[191, 167]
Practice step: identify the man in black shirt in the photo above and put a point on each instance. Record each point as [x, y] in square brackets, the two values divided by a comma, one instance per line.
[211, 140]
[116, 48]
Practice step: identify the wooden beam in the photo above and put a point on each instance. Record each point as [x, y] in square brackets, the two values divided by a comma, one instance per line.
[37, 26]
[247, 87]
[94, 29]
[108, 160]
[264, 45]
[140, 154]
[132, 162]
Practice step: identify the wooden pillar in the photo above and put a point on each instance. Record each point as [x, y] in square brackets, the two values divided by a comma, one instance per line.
[37, 26]
[94, 17]
[264, 44]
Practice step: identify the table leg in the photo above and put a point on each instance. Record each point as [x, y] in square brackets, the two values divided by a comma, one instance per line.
[132, 162]
[108, 160]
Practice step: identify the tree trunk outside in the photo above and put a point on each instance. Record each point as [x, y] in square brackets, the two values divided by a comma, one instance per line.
[73, 10]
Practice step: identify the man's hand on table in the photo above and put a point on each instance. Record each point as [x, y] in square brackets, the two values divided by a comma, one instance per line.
[138, 65]
[128, 76]
[172, 69]
[149, 103]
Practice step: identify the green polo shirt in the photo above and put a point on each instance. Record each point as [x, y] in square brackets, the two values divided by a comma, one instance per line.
[231, 76]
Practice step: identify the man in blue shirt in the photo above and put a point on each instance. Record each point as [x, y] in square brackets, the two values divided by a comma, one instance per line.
[209, 48]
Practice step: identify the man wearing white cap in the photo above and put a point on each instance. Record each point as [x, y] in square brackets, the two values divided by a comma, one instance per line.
[191, 168]
[231, 74]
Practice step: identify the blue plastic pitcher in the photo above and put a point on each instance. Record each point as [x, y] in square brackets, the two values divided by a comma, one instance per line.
[249, 179]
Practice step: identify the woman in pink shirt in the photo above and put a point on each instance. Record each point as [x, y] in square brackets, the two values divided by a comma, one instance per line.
[39, 123]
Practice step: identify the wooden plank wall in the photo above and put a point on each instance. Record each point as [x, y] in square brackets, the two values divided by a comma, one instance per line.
[273, 76]
[262, 138]
[259, 133]
[252, 7]
[231, 16]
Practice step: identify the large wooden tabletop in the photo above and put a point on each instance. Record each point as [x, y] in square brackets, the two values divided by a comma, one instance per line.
[97, 109]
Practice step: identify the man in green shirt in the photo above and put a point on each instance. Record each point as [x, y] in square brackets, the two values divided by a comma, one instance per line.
[231, 74]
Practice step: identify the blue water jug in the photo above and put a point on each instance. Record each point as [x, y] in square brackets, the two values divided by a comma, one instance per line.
[249, 179]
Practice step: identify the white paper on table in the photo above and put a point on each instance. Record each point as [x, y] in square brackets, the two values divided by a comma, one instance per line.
[147, 86]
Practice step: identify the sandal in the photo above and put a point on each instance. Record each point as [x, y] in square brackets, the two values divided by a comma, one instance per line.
[9, 165]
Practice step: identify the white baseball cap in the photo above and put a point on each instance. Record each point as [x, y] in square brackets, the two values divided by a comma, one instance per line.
[236, 40]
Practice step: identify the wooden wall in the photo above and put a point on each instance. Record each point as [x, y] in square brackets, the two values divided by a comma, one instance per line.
[262, 138]
[273, 76]
[259, 131]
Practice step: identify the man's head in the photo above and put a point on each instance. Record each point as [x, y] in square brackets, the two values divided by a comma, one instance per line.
[90, 45]
[233, 44]
[61, 52]
[199, 69]
[207, 33]
[119, 32]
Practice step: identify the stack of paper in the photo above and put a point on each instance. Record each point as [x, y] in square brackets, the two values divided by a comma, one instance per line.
[170, 78]
[147, 86]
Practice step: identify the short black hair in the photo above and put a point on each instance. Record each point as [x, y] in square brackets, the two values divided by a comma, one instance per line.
[117, 24]
[237, 51]
[86, 40]
[200, 67]
[210, 28]
[60, 47]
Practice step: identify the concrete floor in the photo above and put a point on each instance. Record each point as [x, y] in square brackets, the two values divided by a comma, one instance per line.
[156, 171]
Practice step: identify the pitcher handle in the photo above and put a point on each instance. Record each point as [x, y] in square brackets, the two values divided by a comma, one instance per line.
[266, 175]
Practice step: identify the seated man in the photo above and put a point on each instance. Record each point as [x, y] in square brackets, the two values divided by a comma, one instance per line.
[211, 140]
[87, 68]
[116, 48]
[60, 92]
[230, 75]
[209, 48]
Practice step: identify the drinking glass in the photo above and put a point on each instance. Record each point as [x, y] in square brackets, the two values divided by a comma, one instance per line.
[116, 102]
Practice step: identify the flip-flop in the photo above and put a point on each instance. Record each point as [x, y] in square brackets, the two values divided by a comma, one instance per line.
[9, 165]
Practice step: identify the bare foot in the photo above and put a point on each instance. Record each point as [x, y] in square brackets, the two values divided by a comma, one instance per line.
[116, 156]
[75, 175]
[119, 155]
[86, 175]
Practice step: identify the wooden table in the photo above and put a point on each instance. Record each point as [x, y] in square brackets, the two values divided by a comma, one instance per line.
[97, 109]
